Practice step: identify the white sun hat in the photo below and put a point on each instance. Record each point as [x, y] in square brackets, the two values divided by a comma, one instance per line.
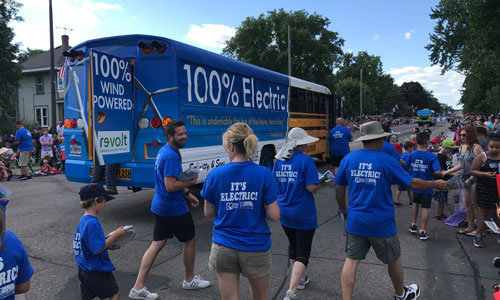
[296, 136]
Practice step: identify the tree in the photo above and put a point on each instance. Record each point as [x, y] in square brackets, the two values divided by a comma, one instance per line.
[263, 41]
[27, 54]
[465, 39]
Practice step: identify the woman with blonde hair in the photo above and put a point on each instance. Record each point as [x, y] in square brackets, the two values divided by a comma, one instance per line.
[241, 195]
[468, 151]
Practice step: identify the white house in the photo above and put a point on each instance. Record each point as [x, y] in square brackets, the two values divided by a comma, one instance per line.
[34, 87]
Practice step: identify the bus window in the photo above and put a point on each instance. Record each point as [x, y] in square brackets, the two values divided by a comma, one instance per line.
[301, 101]
[316, 103]
[294, 94]
[321, 104]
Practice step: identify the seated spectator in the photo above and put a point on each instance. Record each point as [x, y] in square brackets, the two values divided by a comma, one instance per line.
[45, 168]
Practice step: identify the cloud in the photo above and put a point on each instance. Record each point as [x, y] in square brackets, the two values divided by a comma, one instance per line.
[376, 37]
[409, 34]
[210, 35]
[83, 16]
[446, 87]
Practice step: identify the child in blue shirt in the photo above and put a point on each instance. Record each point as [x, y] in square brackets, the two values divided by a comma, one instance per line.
[90, 247]
[422, 164]
[408, 147]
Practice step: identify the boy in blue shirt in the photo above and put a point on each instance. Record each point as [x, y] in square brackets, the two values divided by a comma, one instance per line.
[409, 147]
[90, 247]
[424, 165]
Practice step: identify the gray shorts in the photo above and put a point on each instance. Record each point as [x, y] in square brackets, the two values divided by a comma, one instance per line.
[24, 158]
[387, 249]
[251, 264]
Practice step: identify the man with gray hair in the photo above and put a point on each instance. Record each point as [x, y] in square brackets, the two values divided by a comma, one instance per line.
[369, 172]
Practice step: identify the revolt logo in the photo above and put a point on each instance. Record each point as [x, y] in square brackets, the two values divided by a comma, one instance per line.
[113, 142]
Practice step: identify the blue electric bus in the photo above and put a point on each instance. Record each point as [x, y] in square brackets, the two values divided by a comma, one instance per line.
[121, 92]
[425, 116]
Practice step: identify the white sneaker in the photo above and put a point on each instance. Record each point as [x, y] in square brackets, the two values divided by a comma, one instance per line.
[142, 294]
[303, 282]
[412, 292]
[196, 283]
[290, 295]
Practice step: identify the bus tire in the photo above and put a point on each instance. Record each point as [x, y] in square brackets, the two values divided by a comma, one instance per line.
[267, 158]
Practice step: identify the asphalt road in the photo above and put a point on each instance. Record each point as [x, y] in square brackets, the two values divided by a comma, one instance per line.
[44, 213]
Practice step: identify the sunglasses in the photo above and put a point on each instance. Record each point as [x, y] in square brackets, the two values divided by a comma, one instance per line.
[463, 135]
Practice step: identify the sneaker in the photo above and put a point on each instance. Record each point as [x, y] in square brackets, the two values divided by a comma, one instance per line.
[26, 178]
[196, 283]
[303, 282]
[142, 294]
[412, 228]
[412, 292]
[22, 177]
[9, 177]
[496, 262]
[290, 295]
[423, 236]
[478, 242]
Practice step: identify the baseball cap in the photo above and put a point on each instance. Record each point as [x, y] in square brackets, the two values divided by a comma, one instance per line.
[449, 144]
[93, 190]
[436, 140]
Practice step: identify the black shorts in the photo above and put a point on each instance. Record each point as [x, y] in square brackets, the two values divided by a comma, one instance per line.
[335, 160]
[181, 226]
[423, 199]
[97, 284]
[299, 243]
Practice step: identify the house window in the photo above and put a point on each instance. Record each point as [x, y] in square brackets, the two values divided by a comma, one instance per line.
[39, 85]
[42, 115]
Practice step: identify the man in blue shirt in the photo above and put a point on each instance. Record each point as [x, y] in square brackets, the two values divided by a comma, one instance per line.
[370, 216]
[339, 138]
[172, 215]
[25, 142]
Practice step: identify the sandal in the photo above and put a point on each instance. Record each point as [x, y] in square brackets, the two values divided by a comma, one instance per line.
[464, 231]
[471, 233]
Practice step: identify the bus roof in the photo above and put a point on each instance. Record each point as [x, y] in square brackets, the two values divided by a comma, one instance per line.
[208, 58]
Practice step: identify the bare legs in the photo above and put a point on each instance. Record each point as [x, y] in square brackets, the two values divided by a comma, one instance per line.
[229, 286]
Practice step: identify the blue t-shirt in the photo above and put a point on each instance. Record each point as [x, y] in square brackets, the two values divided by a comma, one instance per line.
[168, 204]
[422, 164]
[389, 149]
[339, 139]
[25, 141]
[240, 191]
[369, 174]
[88, 240]
[15, 267]
[297, 206]
[404, 156]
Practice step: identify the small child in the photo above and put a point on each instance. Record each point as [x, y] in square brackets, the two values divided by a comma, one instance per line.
[422, 164]
[45, 168]
[90, 247]
[394, 142]
[435, 145]
[442, 196]
[409, 147]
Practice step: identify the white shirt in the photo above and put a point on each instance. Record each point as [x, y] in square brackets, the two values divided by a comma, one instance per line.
[60, 130]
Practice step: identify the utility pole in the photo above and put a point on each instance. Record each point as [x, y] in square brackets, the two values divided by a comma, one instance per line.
[360, 93]
[52, 71]
[289, 54]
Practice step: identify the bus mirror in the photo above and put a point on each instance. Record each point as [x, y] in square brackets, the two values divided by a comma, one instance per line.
[160, 47]
[146, 48]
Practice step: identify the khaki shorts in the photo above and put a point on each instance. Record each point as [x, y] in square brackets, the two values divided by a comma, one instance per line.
[251, 264]
[47, 153]
[387, 249]
[24, 158]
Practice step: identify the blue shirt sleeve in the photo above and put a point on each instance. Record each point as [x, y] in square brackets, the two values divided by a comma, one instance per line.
[435, 163]
[171, 166]
[310, 172]
[25, 270]
[18, 135]
[207, 191]
[270, 189]
[397, 174]
[94, 237]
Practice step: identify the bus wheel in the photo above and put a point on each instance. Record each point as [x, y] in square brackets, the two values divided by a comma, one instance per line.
[267, 158]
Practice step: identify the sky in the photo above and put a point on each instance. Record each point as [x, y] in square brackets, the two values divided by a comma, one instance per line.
[395, 30]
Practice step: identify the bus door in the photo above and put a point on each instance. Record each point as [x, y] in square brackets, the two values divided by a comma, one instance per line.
[112, 113]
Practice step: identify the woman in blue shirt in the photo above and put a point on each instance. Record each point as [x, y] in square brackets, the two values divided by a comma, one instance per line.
[297, 179]
[241, 195]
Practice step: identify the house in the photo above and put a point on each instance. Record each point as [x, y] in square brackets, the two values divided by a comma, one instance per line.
[34, 87]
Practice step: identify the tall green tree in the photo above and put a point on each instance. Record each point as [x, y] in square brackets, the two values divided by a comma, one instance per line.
[27, 54]
[465, 39]
[263, 41]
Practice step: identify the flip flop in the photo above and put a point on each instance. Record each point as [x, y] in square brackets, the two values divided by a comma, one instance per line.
[464, 231]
